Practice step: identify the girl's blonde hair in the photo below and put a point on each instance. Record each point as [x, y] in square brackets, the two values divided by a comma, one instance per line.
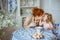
[49, 18]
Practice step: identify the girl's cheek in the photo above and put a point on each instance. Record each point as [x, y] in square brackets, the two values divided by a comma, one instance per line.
[45, 17]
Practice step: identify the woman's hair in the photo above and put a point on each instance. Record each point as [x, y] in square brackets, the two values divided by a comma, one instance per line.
[49, 18]
[37, 12]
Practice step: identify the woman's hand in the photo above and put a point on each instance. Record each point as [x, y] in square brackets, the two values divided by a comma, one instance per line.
[32, 24]
[40, 23]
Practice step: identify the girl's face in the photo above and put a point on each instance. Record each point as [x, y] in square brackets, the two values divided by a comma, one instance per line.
[45, 17]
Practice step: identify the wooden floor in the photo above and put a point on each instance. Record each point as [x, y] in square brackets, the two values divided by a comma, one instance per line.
[7, 33]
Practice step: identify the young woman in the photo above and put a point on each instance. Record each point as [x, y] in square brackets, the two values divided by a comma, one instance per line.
[32, 21]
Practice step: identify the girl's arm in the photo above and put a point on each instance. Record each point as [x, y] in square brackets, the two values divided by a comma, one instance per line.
[51, 26]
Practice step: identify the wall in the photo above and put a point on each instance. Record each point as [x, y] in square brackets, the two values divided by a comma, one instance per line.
[52, 6]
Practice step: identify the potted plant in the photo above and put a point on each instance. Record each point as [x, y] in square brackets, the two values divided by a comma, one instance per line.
[6, 21]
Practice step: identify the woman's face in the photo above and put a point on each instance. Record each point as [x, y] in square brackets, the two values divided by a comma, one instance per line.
[45, 17]
[38, 17]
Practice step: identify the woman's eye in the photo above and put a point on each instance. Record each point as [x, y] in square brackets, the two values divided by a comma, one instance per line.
[36, 20]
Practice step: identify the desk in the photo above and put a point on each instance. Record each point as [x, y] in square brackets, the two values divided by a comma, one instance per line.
[26, 34]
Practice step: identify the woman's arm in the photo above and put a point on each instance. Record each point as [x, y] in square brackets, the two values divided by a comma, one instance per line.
[28, 22]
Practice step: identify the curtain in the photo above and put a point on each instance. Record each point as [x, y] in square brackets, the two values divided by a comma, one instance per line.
[12, 4]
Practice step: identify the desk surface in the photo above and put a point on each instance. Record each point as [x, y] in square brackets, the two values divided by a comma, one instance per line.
[26, 34]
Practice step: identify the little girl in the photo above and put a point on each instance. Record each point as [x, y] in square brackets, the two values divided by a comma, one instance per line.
[47, 22]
